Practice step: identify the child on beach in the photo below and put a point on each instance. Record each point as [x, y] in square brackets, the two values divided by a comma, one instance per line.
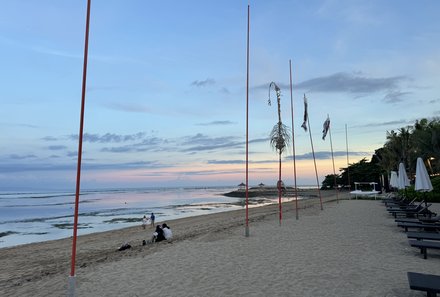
[145, 222]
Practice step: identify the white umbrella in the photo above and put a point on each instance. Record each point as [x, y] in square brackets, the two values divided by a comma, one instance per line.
[403, 180]
[393, 180]
[423, 182]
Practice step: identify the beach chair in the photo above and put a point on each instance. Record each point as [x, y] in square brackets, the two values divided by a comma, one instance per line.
[424, 245]
[421, 219]
[403, 207]
[428, 283]
[426, 227]
[400, 203]
[413, 212]
[423, 235]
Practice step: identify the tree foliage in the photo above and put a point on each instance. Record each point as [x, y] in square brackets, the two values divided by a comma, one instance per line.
[402, 145]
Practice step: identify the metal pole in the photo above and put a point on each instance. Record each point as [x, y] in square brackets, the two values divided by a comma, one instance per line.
[333, 161]
[348, 164]
[314, 161]
[279, 191]
[293, 142]
[247, 127]
[72, 282]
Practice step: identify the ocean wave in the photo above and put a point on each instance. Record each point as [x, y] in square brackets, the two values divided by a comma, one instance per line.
[49, 204]
[2, 234]
[70, 226]
[123, 220]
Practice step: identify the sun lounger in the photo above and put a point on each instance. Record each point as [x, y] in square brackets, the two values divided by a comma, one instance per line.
[426, 227]
[403, 207]
[424, 245]
[420, 220]
[435, 218]
[400, 203]
[424, 282]
[424, 235]
[420, 211]
[407, 220]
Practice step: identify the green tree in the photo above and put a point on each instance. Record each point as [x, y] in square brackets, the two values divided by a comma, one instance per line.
[426, 142]
[402, 145]
[329, 181]
[362, 171]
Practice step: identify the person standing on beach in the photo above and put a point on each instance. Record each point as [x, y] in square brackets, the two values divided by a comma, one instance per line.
[145, 222]
[152, 217]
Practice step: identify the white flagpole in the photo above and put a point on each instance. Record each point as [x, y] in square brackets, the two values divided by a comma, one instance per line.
[348, 163]
[333, 161]
[293, 143]
[247, 128]
[314, 161]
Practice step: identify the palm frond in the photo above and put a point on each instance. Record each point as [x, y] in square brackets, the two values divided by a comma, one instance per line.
[280, 137]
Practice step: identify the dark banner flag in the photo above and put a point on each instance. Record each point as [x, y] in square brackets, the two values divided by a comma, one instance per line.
[325, 127]
[306, 116]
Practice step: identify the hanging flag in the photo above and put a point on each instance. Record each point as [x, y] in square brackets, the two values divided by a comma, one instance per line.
[304, 124]
[325, 127]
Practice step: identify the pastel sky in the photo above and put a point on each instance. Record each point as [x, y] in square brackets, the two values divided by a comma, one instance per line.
[166, 87]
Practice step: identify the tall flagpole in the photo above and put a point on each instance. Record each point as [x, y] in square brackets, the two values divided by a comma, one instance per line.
[247, 128]
[314, 161]
[293, 143]
[72, 283]
[333, 161]
[348, 164]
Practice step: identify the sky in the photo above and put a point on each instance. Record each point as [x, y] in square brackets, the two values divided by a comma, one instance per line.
[166, 88]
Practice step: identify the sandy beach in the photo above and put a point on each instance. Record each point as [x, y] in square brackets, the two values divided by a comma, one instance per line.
[351, 248]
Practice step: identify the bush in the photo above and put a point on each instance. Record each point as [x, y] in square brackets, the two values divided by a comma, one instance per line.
[435, 194]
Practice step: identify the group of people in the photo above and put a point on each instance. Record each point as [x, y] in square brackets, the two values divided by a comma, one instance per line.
[147, 221]
[162, 232]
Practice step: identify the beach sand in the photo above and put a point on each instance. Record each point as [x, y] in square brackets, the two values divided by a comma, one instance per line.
[350, 248]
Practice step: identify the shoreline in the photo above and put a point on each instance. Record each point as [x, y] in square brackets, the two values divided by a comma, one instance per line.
[100, 247]
[312, 256]
[22, 230]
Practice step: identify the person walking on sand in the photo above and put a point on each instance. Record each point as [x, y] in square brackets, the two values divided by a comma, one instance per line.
[145, 222]
[152, 217]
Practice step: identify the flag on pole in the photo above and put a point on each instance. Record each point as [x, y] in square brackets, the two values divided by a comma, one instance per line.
[304, 124]
[325, 127]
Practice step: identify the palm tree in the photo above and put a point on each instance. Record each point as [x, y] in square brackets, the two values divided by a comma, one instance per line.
[425, 139]
[279, 139]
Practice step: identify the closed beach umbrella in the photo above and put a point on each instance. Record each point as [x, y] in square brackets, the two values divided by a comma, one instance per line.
[403, 180]
[393, 180]
[423, 182]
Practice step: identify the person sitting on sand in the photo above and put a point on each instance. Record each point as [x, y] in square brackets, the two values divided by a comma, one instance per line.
[167, 232]
[158, 234]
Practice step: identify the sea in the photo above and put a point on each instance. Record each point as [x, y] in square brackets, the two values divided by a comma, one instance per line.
[31, 216]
